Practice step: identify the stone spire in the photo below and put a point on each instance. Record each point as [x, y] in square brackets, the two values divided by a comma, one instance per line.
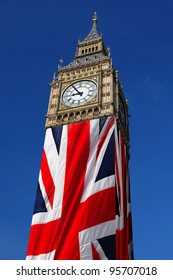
[93, 32]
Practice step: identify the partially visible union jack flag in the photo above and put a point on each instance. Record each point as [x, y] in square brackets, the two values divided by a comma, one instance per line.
[82, 208]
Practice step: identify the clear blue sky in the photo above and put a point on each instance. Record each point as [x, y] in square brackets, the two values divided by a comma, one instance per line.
[34, 35]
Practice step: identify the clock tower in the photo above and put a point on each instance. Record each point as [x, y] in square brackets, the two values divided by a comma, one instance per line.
[88, 87]
[82, 208]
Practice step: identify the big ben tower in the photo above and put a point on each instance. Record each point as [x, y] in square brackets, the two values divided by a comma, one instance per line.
[82, 208]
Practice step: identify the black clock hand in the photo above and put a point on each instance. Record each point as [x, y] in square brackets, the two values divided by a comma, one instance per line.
[78, 92]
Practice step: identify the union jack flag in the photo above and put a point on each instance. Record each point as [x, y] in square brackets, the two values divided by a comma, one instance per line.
[82, 208]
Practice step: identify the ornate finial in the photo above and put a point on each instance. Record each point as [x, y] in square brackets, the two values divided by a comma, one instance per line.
[95, 18]
[54, 76]
[108, 51]
[60, 62]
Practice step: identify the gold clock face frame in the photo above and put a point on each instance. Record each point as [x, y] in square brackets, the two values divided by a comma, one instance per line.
[79, 93]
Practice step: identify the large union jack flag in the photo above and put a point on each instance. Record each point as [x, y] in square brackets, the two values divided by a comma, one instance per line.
[82, 208]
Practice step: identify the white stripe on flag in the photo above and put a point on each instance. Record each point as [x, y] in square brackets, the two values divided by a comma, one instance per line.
[87, 236]
[60, 171]
[95, 165]
[48, 256]
[45, 217]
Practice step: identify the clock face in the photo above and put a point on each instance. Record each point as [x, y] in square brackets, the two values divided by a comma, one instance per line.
[79, 93]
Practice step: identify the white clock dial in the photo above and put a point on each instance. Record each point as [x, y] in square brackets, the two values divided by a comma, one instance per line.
[79, 93]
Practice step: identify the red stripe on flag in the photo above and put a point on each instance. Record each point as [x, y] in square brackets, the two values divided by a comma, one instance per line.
[124, 173]
[117, 178]
[98, 208]
[76, 165]
[95, 253]
[122, 236]
[43, 238]
[120, 245]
